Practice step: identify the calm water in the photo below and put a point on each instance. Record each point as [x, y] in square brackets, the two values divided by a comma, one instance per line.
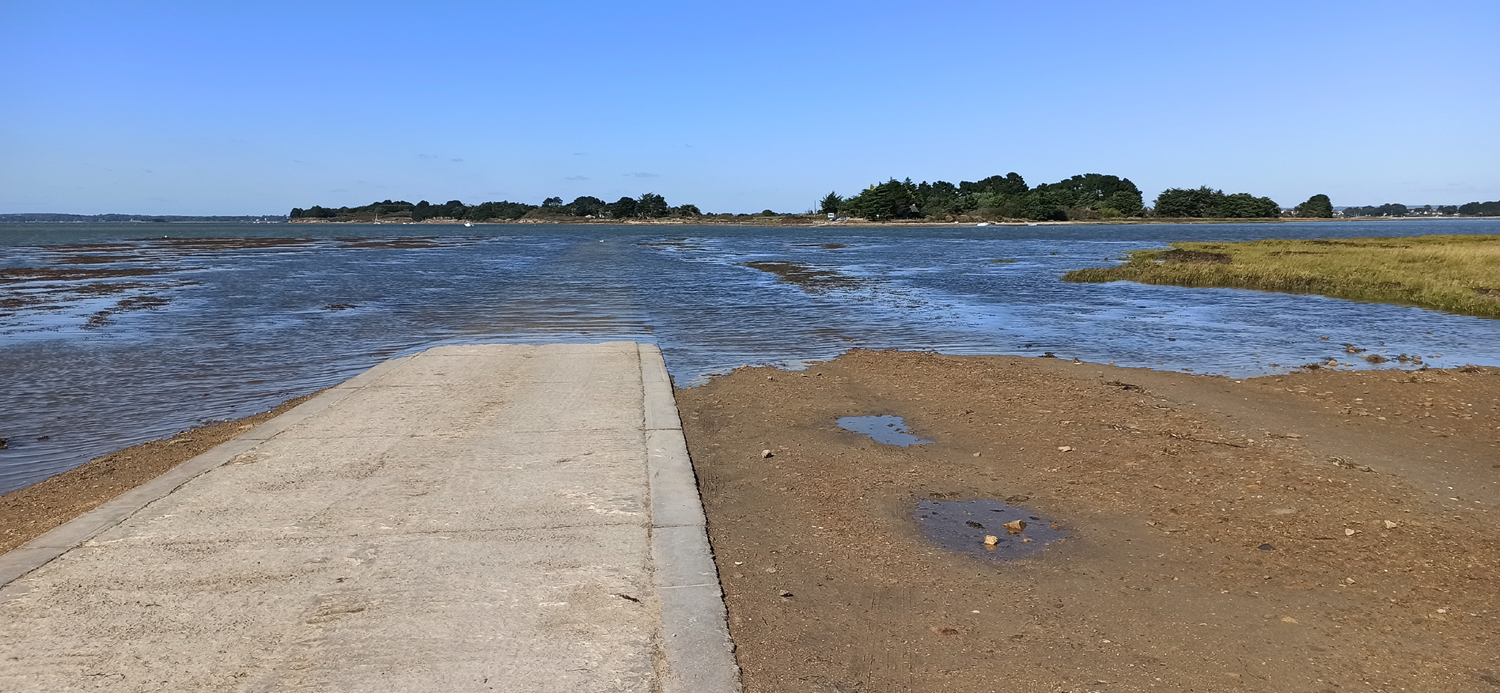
[963, 525]
[890, 430]
[113, 334]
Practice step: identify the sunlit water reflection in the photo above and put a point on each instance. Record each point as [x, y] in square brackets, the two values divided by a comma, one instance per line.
[107, 340]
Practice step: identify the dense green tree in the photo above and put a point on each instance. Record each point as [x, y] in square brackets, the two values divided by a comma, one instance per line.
[1316, 207]
[1125, 202]
[1009, 196]
[423, 211]
[623, 208]
[993, 204]
[1185, 203]
[1039, 205]
[586, 206]
[1092, 190]
[942, 198]
[552, 202]
[830, 204]
[1009, 184]
[391, 207]
[686, 211]
[501, 211]
[452, 209]
[1480, 209]
[1208, 202]
[315, 212]
[1243, 206]
[651, 206]
[892, 199]
[1390, 209]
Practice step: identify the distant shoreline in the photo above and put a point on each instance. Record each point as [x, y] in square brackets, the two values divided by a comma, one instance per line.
[800, 221]
[55, 218]
[788, 220]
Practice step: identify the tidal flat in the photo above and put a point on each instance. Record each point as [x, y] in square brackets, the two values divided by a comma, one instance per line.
[116, 334]
[1308, 531]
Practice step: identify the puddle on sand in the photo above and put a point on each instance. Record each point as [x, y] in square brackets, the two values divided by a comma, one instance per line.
[890, 430]
[962, 526]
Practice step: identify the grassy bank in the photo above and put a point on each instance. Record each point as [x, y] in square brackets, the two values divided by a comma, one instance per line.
[1457, 274]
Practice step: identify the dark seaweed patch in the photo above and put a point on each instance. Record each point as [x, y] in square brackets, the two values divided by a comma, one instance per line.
[392, 243]
[26, 274]
[804, 276]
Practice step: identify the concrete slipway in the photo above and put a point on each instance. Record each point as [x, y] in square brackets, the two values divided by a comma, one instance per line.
[471, 518]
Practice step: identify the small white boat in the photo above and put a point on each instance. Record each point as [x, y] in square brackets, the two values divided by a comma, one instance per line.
[467, 224]
[983, 223]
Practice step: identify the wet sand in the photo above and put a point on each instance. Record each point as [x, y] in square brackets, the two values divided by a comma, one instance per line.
[32, 511]
[1319, 531]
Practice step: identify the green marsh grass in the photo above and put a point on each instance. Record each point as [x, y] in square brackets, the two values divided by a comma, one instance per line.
[1457, 274]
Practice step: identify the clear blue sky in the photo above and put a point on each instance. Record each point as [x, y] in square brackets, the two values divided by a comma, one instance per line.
[256, 107]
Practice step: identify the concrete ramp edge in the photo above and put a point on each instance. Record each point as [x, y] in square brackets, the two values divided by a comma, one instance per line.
[695, 629]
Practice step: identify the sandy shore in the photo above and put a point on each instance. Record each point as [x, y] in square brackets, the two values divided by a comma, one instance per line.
[32, 511]
[1310, 532]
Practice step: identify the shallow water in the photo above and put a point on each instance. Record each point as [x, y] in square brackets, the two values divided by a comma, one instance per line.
[112, 334]
[890, 430]
[963, 525]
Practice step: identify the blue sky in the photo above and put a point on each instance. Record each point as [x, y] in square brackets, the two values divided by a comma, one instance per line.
[250, 108]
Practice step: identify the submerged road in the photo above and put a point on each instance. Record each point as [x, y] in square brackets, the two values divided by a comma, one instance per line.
[471, 518]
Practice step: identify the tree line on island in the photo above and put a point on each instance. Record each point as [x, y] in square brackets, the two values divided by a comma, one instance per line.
[1082, 197]
[1392, 209]
[1089, 196]
[647, 206]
